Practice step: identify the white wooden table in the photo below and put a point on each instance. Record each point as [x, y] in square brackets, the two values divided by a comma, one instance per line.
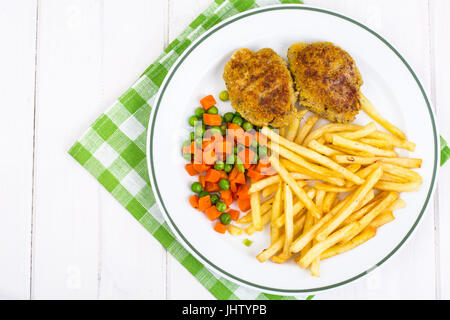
[63, 62]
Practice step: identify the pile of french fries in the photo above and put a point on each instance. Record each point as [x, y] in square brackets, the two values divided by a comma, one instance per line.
[334, 187]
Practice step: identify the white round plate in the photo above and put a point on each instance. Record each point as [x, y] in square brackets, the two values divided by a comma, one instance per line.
[390, 84]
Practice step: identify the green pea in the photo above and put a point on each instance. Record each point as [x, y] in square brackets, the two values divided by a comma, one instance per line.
[223, 95]
[193, 120]
[247, 126]
[223, 129]
[199, 142]
[213, 110]
[235, 150]
[254, 144]
[231, 159]
[262, 151]
[221, 206]
[237, 114]
[228, 168]
[240, 165]
[186, 143]
[196, 187]
[257, 128]
[192, 136]
[238, 120]
[255, 158]
[199, 131]
[228, 117]
[187, 156]
[203, 194]
[219, 165]
[199, 112]
[214, 198]
[214, 130]
[225, 218]
[224, 184]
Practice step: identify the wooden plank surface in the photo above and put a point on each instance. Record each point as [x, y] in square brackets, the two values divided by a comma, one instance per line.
[16, 142]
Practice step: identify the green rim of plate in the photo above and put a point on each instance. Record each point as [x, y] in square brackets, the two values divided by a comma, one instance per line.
[161, 94]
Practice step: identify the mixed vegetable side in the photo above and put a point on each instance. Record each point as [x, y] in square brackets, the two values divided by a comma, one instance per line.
[224, 152]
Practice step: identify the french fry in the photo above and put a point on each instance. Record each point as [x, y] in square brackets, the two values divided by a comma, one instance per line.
[266, 206]
[399, 187]
[234, 230]
[304, 131]
[328, 201]
[289, 220]
[315, 265]
[299, 192]
[371, 215]
[312, 155]
[276, 211]
[256, 211]
[329, 188]
[269, 190]
[330, 128]
[291, 166]
[278, 245]
[393, 178]
[305, 237]
[382, 219]
[368, 107]
[320, 148]
[402, 162]
[309, 222]
[351, 152]
[378, 143]
[356, 198]
[321, 246]
[361, 133]
[401, 172]
[293, 127]
[364, 236]
[399, 143]
[339, 141]
[298, 207]
[353, 167]
[264, 183]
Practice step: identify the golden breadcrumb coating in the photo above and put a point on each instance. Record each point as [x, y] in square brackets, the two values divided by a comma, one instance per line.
[260, 87]
[327, 80]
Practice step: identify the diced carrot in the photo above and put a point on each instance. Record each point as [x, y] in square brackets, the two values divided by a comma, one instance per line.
[233, 174]
[234, 214]
[240, 178]
[235, 194]
[202, 181]
[228, 202]
[234, 126]
[234, 131]
[209, 157]
[226, 194]
[245, 138]
[212, 187]
[220, 227]
[194, 201]
[224, 147]
[207, 102]
[223, 175]
[204, 203]
[201, 167]
[187, 149]
[212, 119]
[213, 213]
[207, 143]
[244, 204]
[255, 175]
[212, 175]
[190, 169]
[263, 163]
[262, 139]
[243, 192]
[247, 156]
[233, 186]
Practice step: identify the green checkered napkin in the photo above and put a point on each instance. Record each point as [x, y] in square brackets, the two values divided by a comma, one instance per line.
[113, 149]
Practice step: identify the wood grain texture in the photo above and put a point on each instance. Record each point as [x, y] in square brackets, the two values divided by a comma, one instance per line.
[17, 65]
[440, 45]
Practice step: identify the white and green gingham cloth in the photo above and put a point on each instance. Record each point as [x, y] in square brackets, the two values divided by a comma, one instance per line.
[113, 149]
